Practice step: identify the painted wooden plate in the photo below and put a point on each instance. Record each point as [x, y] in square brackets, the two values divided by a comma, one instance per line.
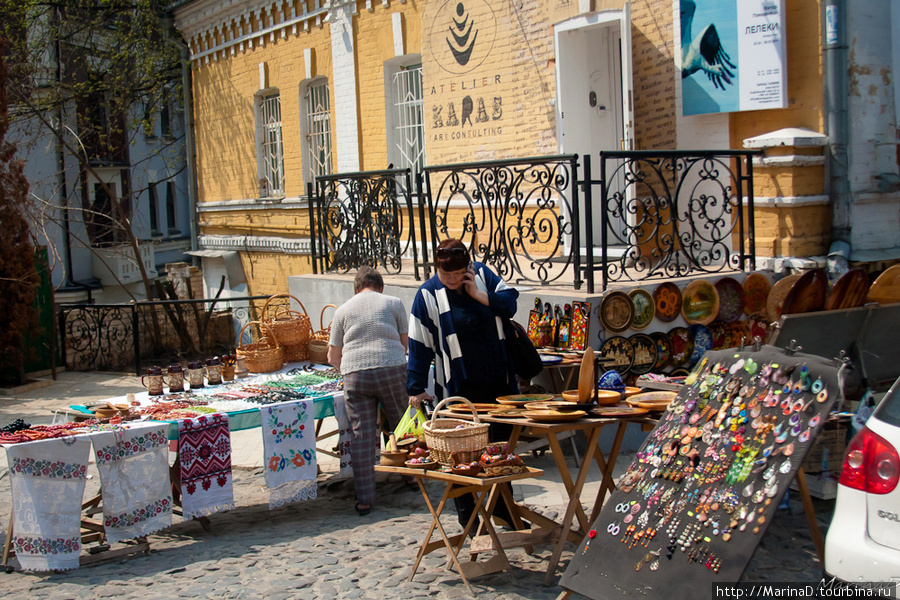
[703, 341]
[699, 302]
[682, 345]
[523, 399]
[756, 292]
[482, 407]
[616, 311]
[667, 298]
[644, 308]
[777, 295]
[664, 350]
[886, 288]
[586, 380]
[759, 327]
[621, 351]
[849, 291]
[553, 416]
[645, 353]
[619, 411]
[807, 294]
[719, 330]
[731, 299]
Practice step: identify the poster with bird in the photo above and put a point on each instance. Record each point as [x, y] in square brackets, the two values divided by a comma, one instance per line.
[732, 55]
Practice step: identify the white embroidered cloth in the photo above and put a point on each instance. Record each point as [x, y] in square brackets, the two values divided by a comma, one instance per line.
[345, 434]
[289, 450]
[204, 454]
[134, 473]
[47, 479]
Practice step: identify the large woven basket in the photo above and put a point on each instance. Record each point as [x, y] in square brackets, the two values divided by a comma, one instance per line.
[453, 441]
[290, 327]
[264, 355]
[296, 353]
[318, 343]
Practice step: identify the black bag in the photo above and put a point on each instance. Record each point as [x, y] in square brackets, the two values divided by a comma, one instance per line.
[525, 358]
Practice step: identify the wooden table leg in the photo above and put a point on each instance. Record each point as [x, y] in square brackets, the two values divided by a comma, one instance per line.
[7, 545]
[574, 507]
[514, 438]
[563, 468]
[502, 562]
[436, 524]
[814, 530]
[606, 467]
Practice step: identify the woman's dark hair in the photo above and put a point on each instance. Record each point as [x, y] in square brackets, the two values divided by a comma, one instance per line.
[451, 255]
[367, 277]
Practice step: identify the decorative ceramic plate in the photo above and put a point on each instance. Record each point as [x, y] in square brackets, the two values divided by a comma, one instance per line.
[479, 407]
[777, 295]
[664, 350]
[620, 350]
[703, 341]
[616, 312]
[759, 327]
[682, 345]
[731, 299]
[644, 308]
[886, 288]
[645, 353]
[551, 359]
[699, 302]
[807, 294]
[651, 400]
[523, 399]
[667, 298]
[552, 416]
[849, 291]
[719, 330]
[618, 411]
[756, 292]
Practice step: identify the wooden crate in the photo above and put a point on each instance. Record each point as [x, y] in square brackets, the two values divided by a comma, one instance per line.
[827, 453]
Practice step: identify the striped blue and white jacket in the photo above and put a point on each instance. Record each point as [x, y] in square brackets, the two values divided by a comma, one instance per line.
[432, 336]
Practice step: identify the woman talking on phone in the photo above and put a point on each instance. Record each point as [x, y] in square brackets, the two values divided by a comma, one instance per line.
[456, 323]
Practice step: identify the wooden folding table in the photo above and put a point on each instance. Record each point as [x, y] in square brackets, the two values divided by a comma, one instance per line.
[455, 486]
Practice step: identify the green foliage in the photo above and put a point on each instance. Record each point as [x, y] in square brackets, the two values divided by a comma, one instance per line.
[18, 277]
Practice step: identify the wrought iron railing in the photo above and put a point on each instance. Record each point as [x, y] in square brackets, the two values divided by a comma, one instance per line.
[122, 337]
[519, 216]
[363, 219]
[672, 213]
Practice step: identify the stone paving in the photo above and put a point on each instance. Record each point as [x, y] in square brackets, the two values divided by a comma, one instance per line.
[323, 549]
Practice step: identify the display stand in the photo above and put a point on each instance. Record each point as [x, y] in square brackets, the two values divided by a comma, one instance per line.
[703, 488]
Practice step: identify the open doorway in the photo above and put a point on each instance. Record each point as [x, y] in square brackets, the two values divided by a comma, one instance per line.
[593, 94]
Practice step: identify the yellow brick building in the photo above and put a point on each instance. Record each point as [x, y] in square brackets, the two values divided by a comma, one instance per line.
[287, 90]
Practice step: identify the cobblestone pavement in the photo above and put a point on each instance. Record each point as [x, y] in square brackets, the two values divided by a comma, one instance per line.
[323, 549]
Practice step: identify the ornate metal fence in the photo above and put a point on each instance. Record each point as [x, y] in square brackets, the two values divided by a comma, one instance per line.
[672, 213]
[124, 337]
[518, 216]
[363, 219]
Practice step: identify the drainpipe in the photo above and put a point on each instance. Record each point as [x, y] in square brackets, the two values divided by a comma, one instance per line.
[836, 118]
[187, 101]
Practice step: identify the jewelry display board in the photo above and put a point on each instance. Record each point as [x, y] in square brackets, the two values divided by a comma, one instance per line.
[692, 507]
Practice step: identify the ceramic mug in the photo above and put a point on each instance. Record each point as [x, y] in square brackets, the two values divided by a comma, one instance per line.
[213, 371]
[195, 375]
[153, 381]
[176, 378]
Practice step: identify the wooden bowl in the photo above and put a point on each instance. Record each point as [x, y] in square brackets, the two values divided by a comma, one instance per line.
[394, 459]
[603, 397]
[431, 464]
[105, 412]
[631, 391]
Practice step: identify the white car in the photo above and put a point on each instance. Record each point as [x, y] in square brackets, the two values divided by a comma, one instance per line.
[863, 541]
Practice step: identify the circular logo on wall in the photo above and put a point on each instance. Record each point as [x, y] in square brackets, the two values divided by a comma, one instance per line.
[462, 35]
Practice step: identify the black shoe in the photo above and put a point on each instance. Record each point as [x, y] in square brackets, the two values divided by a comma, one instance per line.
[362, 511]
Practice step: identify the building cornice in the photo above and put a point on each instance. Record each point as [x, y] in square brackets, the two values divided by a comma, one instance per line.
[255, 243]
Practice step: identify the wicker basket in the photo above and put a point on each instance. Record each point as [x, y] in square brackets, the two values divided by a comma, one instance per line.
[457, 440]
[503, 467]
[290, 327]
[264, 355]
[296, 353]
[318, 343]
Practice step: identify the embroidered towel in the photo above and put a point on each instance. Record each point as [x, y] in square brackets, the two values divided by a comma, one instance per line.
[47, 479]
[345, 434]
[289, 445]
[134, 472]
[204, 454]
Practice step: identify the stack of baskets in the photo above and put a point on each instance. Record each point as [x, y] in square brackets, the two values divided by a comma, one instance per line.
[264, 355]
[457, 441]
[291, 328]
[318, 344]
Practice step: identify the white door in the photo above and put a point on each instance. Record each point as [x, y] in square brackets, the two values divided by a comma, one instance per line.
[593, 74]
